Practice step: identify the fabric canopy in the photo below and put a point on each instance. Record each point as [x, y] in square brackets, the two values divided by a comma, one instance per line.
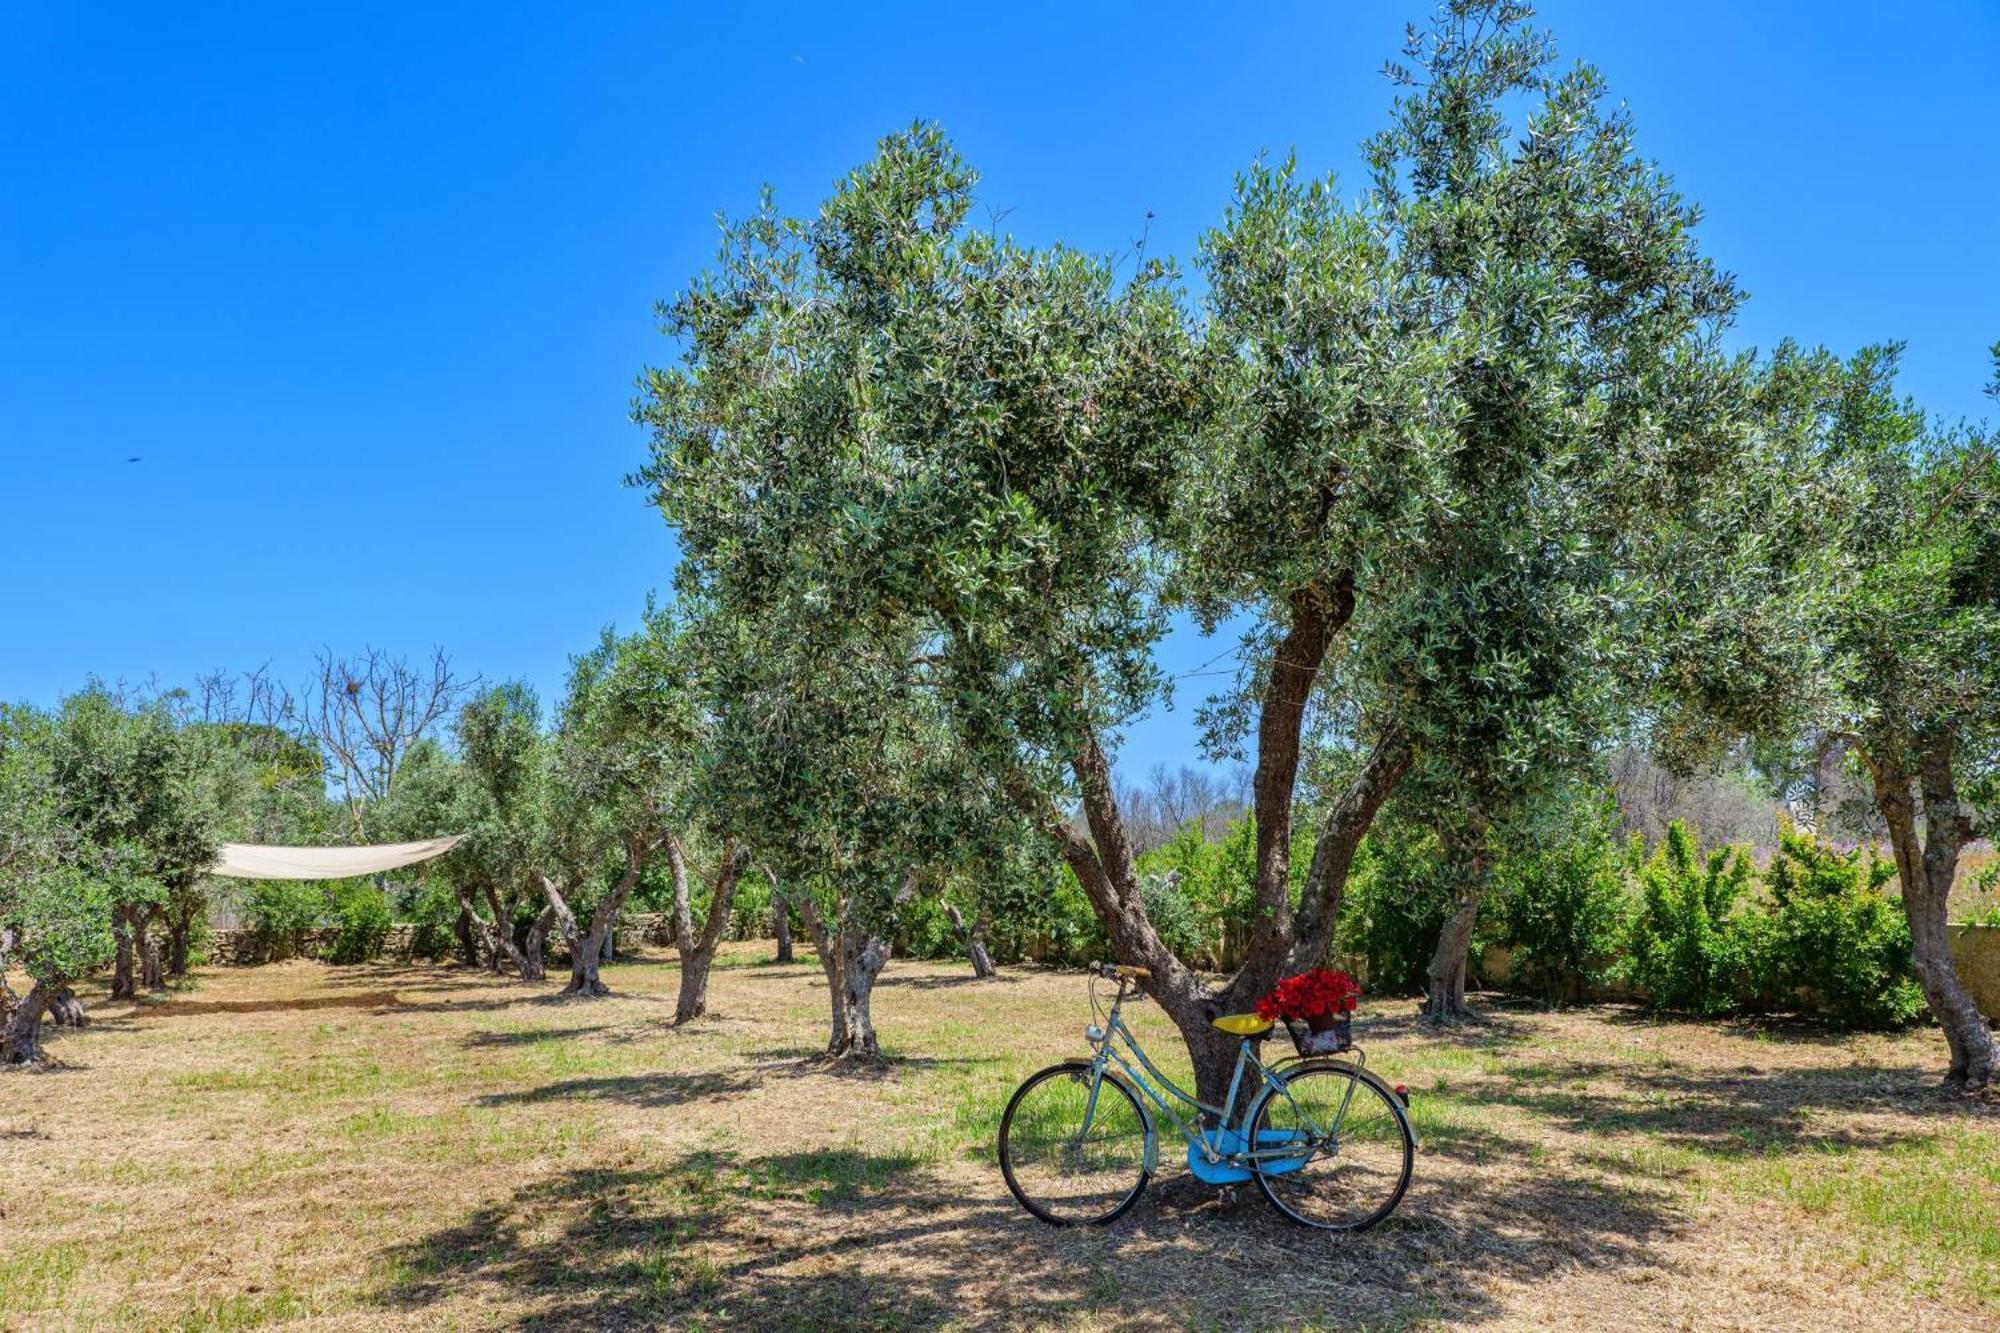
[247, 861]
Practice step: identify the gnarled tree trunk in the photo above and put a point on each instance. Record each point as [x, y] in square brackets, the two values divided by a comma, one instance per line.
[586, 948]
[124, 926]
[151, 974]
[465, 928]
[533, 966]
[852, 960]
[1444, 1000]
[179, 931]
[65, 1010]
[1926, 869]
[21, 1040]
[500, 939]
[781, 919]
[1107, 869]
[975, 943]
[697, 950]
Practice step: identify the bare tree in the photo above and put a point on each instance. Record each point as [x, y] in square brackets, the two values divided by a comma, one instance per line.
[367, 711]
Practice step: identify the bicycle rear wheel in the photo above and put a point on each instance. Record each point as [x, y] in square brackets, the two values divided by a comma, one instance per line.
[1354, 1148]
[1069, 1160]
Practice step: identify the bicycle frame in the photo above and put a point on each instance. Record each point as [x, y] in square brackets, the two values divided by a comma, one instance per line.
[1150, 1083]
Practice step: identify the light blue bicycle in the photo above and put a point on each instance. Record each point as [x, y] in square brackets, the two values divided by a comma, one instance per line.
[1328, 1142]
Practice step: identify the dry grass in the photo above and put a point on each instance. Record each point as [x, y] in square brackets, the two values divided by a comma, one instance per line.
[422, 1148]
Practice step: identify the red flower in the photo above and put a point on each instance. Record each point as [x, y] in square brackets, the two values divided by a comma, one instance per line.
[1309, 994]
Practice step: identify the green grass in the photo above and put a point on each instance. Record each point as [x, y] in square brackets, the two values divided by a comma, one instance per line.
[473, 1155]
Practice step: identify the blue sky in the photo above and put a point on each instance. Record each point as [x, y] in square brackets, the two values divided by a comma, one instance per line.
[366, 287]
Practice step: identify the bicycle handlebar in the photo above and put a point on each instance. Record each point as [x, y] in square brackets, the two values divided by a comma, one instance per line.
[1121, 972]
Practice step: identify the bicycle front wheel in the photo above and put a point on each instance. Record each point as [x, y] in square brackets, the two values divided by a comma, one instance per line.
[1073, 1146]
[1339, 1147]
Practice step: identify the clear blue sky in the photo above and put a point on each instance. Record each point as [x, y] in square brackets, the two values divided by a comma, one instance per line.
[366, 286]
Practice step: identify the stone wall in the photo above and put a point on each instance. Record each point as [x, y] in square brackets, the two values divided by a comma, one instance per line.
[243, 948]
[1976, 950]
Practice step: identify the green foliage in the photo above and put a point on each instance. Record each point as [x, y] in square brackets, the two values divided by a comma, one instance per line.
[361, 919]
[1199, 894]
[1686, 947]
[63, 921]
[1397, 899]
[1839, 947]
[1562, 899]
[282, 912]
[432, 913]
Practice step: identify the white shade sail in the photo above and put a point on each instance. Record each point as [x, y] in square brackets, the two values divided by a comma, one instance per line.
[244, 860]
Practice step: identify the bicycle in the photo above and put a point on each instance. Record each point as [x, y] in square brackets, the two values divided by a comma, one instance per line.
[1328, 1143]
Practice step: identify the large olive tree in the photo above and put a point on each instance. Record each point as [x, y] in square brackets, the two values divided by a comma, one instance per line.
[1026, 464]
[1866, 607]
[147, 795]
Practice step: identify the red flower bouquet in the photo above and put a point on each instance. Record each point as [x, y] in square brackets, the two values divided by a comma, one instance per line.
[1322, 999]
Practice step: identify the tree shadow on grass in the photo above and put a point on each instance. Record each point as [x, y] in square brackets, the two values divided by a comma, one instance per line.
[1001, 978]
[1488, 1030]
[811, 1061]
[647, 1090]
[487, 1040]
[846, 1238]
[375, 1000]
[1731, 1113]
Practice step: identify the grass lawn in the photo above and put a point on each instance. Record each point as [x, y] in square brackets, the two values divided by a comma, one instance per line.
[423, 1147]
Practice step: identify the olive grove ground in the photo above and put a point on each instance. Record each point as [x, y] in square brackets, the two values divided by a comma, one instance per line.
[421, 1147]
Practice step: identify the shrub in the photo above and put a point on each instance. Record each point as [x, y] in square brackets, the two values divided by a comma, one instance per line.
[432, 912]
[281, 912]
[1684, 949]
[1838, 946]
[750, 909]
[362, 920]
[1563, 904]
[1397, 897]
[1063, 931]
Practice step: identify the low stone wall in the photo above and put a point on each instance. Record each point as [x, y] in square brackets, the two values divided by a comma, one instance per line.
[1976, 951]
[244, 948]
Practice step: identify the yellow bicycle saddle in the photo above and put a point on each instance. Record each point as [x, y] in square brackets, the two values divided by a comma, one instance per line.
[1243, 1025]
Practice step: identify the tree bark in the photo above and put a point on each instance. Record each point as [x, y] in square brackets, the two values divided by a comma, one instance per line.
[151, 974]
[586, 948]
[1317, 614]
[21, 1042]
[1926, 869]
[65, 1010]
[177, 941]
[463, 928]
[500, 937]
[781, 920]
[533, 953]
[1106, 868]
[975, 944]
[1445, 998]
[697, 951]
[852, 960]
[123, 984]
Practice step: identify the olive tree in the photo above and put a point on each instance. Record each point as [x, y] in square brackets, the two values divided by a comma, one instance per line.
[55, 921]
[1867, 608]
[628, 745]
[505, 754]
[146, 795]
[1026, 463]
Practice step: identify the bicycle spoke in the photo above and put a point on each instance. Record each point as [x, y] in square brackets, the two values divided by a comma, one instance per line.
[1070, 1162]
[1357, 1162]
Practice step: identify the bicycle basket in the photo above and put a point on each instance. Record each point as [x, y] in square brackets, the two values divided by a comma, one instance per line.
[1332, 1040]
